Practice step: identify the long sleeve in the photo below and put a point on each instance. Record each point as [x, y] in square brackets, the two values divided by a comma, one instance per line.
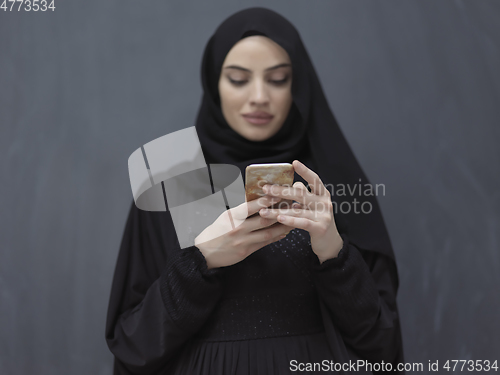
[359, 289]
[160, 296]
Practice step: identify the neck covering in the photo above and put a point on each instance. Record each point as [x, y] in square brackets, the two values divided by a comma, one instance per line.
[309, 134]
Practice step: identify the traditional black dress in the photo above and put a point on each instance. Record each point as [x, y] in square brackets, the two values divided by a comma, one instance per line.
[279, 311]
[170, 315]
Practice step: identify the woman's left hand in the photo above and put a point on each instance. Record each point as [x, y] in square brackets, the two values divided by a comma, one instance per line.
[313, 213]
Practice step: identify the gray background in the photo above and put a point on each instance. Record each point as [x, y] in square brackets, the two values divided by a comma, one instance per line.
[414, 86]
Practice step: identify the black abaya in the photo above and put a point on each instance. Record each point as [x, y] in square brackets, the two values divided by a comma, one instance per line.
[168, 314]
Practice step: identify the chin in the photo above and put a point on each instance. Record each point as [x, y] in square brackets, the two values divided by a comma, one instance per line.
[255, 133]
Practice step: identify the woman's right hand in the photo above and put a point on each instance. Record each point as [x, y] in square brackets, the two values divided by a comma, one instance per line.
[223, 245]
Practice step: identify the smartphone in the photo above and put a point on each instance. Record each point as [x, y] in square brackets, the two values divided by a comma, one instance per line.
[258, 175]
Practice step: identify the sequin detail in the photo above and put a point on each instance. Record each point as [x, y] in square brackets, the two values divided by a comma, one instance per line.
[263, 316]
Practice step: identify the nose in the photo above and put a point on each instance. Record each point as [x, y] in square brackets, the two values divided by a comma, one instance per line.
[258, 93]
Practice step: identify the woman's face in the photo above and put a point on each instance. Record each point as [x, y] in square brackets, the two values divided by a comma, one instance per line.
[255, 87]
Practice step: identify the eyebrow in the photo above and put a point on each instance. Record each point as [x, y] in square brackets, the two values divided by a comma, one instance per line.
[248, 70]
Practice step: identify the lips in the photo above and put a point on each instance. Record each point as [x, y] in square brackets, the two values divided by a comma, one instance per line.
[258, 118]
[259, 115]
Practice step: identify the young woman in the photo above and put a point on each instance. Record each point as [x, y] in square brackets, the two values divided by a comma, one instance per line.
[288, 287]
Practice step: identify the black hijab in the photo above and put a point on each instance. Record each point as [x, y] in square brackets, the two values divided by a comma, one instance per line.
[310, 132]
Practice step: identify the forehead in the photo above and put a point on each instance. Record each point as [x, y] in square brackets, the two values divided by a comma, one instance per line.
[256, 51]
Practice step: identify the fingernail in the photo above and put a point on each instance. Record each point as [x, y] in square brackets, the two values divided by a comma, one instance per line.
[264, 211]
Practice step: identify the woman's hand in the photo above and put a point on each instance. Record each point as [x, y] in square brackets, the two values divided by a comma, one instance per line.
[223, 244]
[313, 212]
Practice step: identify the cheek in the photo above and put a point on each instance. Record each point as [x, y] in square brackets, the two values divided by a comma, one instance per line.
[232, 100]
[283, 101]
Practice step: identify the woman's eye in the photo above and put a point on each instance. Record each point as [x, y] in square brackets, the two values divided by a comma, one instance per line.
[279, 82]
[274, 82]
[237, 83]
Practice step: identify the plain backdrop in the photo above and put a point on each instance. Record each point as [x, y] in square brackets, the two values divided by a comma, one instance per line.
[415, 86]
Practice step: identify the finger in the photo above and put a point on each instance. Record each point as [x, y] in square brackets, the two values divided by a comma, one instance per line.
[299, 222]
[258, 222]
[271, 213]
[265, 201]
[315, 183]
[300, 185]
[265, 235]
[247, 209]
[298, 194]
